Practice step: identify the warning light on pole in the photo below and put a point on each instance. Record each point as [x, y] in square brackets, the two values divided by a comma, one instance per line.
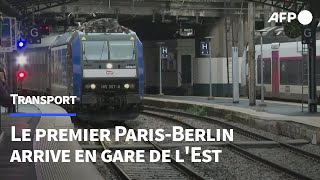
[21, 75]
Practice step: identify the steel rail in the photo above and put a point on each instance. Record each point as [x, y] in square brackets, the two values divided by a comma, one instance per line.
[182, 168]
[118, 170]
[242, 151]
[122, 175]
[239, 131]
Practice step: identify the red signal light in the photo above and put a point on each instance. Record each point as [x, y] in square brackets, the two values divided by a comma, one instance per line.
[21, 75]
[44, 29]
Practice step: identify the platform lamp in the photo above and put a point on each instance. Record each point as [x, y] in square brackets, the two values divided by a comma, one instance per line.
[210, 68]
[262, 104]
[160, 67]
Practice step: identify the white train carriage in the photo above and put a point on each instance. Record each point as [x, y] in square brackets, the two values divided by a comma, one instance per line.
[285, 70]
[187, 73]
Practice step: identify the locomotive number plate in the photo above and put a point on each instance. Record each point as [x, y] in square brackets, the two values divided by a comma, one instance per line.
[110, 86]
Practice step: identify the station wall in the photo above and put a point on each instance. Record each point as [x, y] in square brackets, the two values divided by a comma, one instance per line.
[220, 86]
[228, 33]
[174, 68]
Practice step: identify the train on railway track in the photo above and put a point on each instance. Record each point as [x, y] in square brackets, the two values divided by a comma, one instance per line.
[101, 64]
[285, 69]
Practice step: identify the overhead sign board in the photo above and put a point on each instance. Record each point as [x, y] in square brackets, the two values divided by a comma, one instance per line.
[34, 36]
[164, 52]
[8, 34]
[204, 47]
[307, 35]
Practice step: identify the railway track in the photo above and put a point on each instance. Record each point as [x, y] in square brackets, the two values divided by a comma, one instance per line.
[147, 170]
[170, 115]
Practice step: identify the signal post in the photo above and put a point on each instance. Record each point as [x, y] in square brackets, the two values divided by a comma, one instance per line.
[313, 99]
[312, 78]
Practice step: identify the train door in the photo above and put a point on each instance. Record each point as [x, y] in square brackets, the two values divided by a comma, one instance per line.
[275, 74]
[186, 69]
[186, 74]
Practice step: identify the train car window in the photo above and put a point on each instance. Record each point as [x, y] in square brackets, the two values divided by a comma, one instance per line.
[122, 50]
[290, 72]
[96, 50]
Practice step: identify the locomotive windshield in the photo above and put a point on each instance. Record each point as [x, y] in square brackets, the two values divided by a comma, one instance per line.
[121, 50]
[95, 50]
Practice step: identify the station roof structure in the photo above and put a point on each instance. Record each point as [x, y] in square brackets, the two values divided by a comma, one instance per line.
[195, 8]
[204, 8]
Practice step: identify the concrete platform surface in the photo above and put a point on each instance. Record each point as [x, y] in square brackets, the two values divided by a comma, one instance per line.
[40, 171]
[16, 171]
[275, 117]
[275, 110]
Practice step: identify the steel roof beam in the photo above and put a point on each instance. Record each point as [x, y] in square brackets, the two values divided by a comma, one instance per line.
[291, 5]
[6, 9]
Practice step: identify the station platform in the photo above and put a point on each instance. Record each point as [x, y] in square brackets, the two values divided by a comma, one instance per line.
[283, 118]
[49, 170]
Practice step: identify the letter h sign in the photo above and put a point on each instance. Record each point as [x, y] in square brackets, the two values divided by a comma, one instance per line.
[204, 47]
[164, 52]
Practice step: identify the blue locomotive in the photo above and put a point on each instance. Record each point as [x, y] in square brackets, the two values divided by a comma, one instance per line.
[104, 70]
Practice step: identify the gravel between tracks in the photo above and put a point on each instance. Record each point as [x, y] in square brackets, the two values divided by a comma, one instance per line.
[308, 147]
[213, 127]
[231, 165]
[105, 169]
[151, 170]
[148, 122]
[242, 126]
[121, 140]
[311, 148]
[291, 160]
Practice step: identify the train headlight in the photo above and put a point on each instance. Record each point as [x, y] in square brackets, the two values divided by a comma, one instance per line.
[93, 86]
[132, 86]
[109, 65]
[127, 86]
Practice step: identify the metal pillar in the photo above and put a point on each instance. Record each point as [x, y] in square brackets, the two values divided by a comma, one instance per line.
[160, 67]
[251, 55]
[160, 72]
[12, 80]
[227, 52]
[312, 100]
[235, 74]
[210, 69]
[262, 69]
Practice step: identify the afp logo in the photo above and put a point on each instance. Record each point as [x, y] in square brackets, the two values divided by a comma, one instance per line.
[304, 17]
